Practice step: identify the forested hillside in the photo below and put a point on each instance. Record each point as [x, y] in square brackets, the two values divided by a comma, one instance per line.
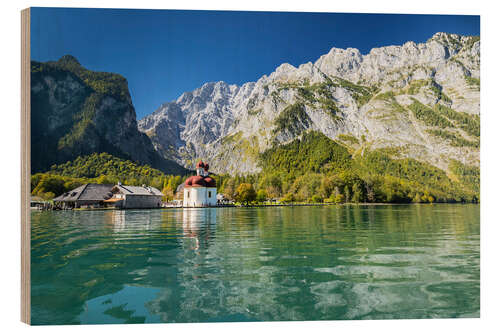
[316, 168]
[102, 169]
[312, 168]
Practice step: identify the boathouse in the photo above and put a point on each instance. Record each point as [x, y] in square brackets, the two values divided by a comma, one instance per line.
[88, 195]
[200, 190]
[124, 196]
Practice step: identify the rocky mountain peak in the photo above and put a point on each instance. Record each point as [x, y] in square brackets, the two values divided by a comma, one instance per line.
[342, 93]
[68, 60]
[79, 112]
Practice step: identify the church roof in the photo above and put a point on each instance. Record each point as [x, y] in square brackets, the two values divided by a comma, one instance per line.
[210, 182]
[199, 181]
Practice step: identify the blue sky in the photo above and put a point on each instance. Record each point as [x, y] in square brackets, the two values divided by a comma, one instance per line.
[164, 53]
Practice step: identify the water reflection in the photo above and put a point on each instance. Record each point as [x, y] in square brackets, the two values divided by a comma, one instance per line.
[117, 220]
[198, 224]
[300, 263]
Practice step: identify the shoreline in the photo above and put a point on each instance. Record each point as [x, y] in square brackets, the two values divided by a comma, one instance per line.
[267, 206]
[334, 204]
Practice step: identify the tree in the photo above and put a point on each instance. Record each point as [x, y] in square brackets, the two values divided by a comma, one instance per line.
[229, 188]
[329, 200]
[357, 192]
[245, 193]
[272, 184]
[50, 183]
[370, 193]
[176, 181]
[347, 193]
[261, 195]
[73, 183]
[316, 198]
[168, 194]
[338, 198]
[430, 198]
[103, 179]
[289, 197]
[35, 179]
[427, 197]
[305, 186]
[328, 185]
[47, 195]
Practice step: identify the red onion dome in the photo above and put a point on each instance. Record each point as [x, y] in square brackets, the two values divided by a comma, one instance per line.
[189, 181]
[200, 165]
[195, 181]
[210, 182]
[206, 167]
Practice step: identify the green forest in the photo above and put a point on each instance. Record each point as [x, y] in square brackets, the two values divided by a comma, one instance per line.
[312, 169]
[100, 168]
[317, 169]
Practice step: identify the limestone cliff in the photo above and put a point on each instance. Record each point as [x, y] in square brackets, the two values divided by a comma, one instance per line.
[420, 98]
[77, 112]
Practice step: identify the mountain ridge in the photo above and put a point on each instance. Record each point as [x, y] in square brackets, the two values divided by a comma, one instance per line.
[343, 92]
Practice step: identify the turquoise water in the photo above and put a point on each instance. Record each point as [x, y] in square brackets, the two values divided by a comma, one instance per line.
[254, 264]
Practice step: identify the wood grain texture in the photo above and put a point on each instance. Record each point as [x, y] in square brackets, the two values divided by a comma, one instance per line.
[25, 167]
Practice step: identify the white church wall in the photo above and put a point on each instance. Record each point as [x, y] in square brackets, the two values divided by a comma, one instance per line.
[200, 197]
[212, 196]
[189, 197]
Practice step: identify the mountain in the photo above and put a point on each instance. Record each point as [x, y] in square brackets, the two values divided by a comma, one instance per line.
[76, 112]
[420, 100]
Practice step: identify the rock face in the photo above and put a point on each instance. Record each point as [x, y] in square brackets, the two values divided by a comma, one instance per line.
[77, 112]
[422, 99]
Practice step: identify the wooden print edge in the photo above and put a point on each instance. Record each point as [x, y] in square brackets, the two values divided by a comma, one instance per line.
[25, 168]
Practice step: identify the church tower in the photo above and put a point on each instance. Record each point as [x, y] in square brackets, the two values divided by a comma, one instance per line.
[200, 190]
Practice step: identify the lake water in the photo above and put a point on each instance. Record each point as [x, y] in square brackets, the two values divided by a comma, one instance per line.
[255, 264]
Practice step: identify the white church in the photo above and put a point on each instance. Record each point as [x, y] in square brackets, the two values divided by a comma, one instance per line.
[200, 190]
